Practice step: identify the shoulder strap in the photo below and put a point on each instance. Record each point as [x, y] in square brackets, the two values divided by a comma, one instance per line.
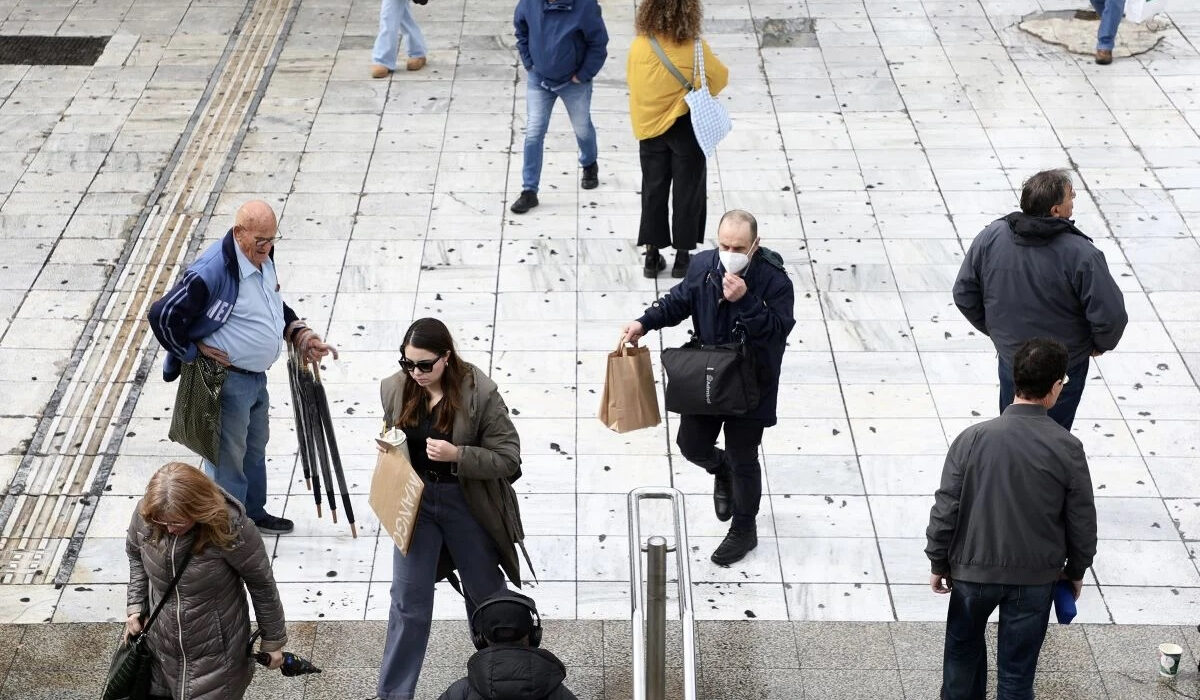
[662, 56]
[698, 66]
[174, 582]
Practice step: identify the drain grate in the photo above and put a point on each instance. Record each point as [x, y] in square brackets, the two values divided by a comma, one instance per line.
[51, 50]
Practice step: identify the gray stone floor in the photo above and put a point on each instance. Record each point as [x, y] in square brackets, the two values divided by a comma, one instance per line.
[738, 660]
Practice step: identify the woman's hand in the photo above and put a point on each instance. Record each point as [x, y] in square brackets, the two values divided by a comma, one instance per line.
[133, 627]
[276, 659]
[440, 450]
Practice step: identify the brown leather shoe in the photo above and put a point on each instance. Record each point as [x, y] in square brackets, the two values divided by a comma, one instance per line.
[1103, 56]
[415, 63]
[378, 71]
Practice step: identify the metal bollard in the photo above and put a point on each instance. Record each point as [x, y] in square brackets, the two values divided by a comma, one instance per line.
[656, 618]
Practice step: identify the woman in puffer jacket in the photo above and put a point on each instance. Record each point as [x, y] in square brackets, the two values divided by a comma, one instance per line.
[200, 638]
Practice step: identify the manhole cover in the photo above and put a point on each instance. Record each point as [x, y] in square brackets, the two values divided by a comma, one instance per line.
[51, 50]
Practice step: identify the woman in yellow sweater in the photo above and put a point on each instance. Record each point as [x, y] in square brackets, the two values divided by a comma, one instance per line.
[663, 127]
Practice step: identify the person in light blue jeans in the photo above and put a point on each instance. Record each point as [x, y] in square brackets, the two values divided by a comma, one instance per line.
[563, 45]
[395, 18]
[1110, 12]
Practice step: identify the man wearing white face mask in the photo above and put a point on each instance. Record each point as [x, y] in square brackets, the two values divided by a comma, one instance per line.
[737, 293]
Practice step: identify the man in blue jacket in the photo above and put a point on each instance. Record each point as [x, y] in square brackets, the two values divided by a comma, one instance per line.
[563, 44]
[739, 292]
[226, 307]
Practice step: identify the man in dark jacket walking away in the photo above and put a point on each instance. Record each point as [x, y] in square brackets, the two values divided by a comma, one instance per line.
[507, 631]
[739, 293]
[563, 45]
[1014, 514]
[1032, 274]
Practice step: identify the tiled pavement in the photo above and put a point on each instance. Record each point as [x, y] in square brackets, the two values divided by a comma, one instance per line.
[872, 151]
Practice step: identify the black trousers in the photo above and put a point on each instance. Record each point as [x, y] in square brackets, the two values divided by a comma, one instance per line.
[697, 440]
[673, 159]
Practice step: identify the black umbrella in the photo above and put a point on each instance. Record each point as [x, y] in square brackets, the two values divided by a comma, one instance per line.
[313, 423]
[293, 665]
[293, 366]
[322, 403]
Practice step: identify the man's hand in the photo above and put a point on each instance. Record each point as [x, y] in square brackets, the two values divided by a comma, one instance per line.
[312, 347]
[940, 584]
[632, 332]
[440, 450]
[1076, 586]
[575, 79]
[733, 287]
[213, 354]
[133, 626]
[276, 659]
[1097, 353]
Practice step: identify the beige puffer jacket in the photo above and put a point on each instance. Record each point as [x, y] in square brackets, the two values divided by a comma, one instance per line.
[199, 639]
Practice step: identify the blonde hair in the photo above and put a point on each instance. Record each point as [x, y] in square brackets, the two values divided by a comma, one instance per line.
[179, 491]
[676, 20]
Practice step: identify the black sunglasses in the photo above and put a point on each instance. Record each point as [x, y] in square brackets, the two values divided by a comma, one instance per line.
[422, 366]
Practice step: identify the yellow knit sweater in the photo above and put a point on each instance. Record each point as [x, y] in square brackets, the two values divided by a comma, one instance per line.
[656, 96]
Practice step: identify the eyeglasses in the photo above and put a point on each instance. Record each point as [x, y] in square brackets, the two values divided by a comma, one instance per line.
[422, 366]
[264, 242]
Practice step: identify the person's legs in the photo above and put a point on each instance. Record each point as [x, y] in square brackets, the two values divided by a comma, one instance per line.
[539, 102]
[742, 439]
[1063, 411]
[1007, 389]
[654, 229]
[964, 660]
[387, 43]
[1111, 12]
[697, 441]
[1024, 613]
[577, 98]
[472, 548]
[688, 202]
[239, 396]
[411, 613]
[254, 464]
[411, 30]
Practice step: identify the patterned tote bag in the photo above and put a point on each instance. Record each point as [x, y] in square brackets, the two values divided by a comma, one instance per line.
[710, 121]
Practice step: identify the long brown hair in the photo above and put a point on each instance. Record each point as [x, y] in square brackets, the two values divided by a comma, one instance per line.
[432, 335]
[677, 20]
[179, 491]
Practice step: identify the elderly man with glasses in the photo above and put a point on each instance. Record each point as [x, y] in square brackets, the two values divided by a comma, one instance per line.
[227, 308]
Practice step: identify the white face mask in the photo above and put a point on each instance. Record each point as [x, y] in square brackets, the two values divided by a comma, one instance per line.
[734, 262]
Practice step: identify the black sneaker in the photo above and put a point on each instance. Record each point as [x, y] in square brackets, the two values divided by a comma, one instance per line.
[527, 201]
[591, 177]
[271, 525]
[655, 263]
[682, 260]
[723, 496]
[736, 545]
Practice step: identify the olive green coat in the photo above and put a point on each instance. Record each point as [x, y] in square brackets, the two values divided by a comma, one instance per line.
[489, 461]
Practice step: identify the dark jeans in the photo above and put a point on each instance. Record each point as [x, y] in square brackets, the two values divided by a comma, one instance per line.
[1064, 409]
[1024, 613]
[673, 159]
[697, 440]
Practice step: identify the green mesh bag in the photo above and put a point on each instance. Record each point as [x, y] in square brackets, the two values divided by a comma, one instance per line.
[196, 420]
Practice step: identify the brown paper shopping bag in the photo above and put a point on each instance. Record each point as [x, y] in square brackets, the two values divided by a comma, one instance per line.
[396, 492]
[629, 401]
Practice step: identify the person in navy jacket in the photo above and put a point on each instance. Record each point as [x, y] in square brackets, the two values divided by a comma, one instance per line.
[737, 293]
[226, 307]
[563, 45]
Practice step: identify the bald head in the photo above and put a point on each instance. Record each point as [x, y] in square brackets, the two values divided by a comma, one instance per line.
[254, 230]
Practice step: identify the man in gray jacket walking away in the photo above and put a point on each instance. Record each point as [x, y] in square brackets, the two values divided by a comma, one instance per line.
[1014, 514]
[1032, 274]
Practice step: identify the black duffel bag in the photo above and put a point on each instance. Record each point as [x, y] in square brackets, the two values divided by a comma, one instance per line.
[711, 380]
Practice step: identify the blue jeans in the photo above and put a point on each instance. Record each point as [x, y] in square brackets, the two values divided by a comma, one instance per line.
[241, 467]
[1110, 12]
[395, 16]
[444, 519]
[539, 102]
[1024, 613]
[1063, 411]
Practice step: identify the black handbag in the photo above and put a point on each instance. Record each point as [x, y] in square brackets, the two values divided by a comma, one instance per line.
[196, 419]
[129, 673]
[711, 380]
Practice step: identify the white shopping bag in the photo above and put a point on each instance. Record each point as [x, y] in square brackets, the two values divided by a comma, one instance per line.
[1142, 10]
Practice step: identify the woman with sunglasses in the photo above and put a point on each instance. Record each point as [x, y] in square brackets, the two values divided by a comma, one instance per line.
[199, 640]
[462, 443]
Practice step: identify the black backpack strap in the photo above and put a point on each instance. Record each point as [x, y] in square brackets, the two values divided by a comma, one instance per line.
[174, 582]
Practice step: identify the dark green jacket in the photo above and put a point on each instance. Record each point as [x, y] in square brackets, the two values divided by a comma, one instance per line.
[490, 461]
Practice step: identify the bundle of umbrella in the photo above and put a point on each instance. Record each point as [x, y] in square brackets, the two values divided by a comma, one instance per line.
[314, 432]
[293, 665]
